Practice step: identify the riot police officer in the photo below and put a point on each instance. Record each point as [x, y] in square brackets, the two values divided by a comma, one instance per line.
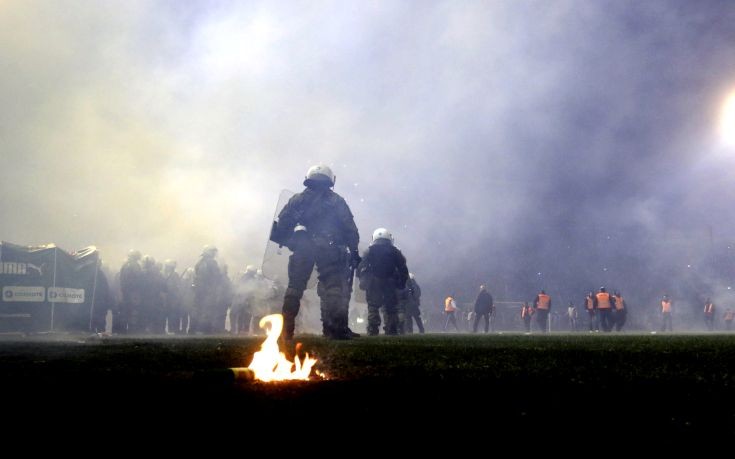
[318, 227]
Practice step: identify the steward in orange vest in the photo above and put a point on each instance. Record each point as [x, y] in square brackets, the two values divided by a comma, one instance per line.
[621, 312]
[603, 304]
[542, 305]
[666, 313]
[450, 307]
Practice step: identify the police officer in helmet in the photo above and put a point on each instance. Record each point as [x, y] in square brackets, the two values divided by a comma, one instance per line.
[318, 226]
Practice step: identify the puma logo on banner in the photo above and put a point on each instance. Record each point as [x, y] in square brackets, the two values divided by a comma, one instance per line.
[19, 268]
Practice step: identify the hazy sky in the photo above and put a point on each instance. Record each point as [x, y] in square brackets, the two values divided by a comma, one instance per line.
[497, 139]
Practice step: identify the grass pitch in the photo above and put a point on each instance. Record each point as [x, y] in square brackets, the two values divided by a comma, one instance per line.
[672, 383]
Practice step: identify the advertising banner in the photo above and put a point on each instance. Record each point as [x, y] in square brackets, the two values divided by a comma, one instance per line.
[45, 288]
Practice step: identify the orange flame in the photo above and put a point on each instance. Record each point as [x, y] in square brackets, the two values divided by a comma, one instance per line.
[270, 364]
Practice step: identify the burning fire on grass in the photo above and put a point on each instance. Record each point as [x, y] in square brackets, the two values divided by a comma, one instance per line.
[271, 364]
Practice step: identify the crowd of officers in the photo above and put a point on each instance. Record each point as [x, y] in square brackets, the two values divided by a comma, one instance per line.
[156, 299]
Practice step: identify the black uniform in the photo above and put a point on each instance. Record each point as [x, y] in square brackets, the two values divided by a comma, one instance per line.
[131, 283]
[483, 309]
[382, 271]
[242, 303]
[152, 301]
[175, 314]
[102, 302]
[330, 233]
[207, 279]
[411, 298]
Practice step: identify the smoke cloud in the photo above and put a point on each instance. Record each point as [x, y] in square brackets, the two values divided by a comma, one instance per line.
[528, 144]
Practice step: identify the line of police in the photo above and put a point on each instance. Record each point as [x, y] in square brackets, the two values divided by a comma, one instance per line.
[155, 299]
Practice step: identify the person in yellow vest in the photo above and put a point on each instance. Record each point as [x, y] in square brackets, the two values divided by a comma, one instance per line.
[589, 306]
[621, 311]
[728, 317]
[450, 309]
[603, 304]
[526, 313]
[666, 313]
[542, 305]
[709, 314]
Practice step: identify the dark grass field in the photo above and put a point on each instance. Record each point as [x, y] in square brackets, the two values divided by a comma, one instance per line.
[618, 383]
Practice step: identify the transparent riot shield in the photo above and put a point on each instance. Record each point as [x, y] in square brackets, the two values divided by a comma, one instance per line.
[275, 259]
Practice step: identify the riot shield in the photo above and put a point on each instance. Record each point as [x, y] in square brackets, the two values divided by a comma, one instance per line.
[275, 259]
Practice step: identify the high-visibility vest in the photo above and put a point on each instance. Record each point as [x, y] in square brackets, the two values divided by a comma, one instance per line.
[590, 303]
[619, 303]
[603, 300]
[709, 308]
[449, 305]
[543, 301]
[665, 306]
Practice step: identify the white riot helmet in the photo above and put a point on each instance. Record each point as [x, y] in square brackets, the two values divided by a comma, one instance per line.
[320, 174]
[411, 276]
[170, 264]
[209, 250]
[148, 261]
[134, 255]
[382, 233]
[251, 269]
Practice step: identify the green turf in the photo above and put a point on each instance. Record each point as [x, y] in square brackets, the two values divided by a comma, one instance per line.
[683, 381]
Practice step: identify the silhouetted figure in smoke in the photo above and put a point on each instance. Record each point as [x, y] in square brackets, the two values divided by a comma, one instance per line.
[318, 227]
[152, 298]
[450, 309]
[709, 314]
[224, 301]
[728, 317]
[411, 298]
[187, 298]
[207, 279]
[542, 306]
[589, 305]
[260, 305]
[175, 314]
[666, 314]
[621, 311]
[572, 316]
[131, 277]
[103, 301]
[483, 308]
[604, 306]
[241, 310]
[382, 273]
[526, 314]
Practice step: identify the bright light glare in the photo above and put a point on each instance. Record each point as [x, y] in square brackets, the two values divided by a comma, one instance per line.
[727, 122]
[232, 46]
